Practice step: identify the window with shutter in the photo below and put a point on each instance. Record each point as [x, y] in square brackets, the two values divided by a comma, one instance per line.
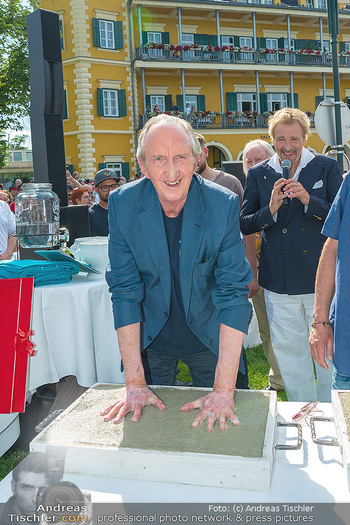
[187, 40]
[154, 38]
[111, 102]
[192, 100]
[276, 101]
[157, 102]
[107, 40]
[246, 101]
[107, 34]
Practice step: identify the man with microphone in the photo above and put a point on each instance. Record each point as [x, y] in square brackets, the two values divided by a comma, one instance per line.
[287, 198]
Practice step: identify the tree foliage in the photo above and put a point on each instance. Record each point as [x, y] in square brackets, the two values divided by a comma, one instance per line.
[14, 64]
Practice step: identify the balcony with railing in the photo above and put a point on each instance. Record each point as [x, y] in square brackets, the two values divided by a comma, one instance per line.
[217, 120]
[236, 55]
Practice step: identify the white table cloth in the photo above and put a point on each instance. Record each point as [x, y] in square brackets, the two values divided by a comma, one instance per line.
[74, 333]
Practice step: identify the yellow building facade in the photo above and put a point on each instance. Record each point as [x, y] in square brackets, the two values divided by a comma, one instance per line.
[231, 63]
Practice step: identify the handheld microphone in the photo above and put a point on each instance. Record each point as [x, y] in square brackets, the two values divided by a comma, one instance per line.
[286, 165]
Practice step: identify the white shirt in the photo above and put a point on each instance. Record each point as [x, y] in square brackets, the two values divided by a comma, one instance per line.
[306, 157]
[7, 225]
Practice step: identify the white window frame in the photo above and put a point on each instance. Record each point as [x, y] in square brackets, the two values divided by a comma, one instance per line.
[115, 166]
[192, 101]
[110, 103]
[292, 44]
[154, 37]
[188, 40]
[158, 99]
[107, 40]
[271, 43]
[246, 97]
[246, 41]
[227, 40]
[276, 98]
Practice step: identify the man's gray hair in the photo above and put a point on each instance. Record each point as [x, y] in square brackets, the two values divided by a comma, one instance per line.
[167, 120]
[258, 142]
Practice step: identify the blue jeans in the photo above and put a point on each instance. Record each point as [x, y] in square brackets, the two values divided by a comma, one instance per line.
[339, 381]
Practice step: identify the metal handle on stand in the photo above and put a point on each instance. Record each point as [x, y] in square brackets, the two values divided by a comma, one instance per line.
[300, 436]
[333, 442]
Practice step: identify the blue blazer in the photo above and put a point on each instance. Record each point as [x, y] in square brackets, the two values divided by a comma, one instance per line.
[213, 270]
[291, 247]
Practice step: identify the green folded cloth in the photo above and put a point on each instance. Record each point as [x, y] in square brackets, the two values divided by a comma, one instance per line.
[44, 272]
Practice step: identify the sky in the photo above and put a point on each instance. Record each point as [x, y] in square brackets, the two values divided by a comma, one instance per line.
[10, 134]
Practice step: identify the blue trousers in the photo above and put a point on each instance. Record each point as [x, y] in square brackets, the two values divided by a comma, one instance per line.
[161, 369]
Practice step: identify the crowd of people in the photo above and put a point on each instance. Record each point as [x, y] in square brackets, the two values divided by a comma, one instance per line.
[180, 280]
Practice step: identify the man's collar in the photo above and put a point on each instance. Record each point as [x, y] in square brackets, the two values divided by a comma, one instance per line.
[306, 157]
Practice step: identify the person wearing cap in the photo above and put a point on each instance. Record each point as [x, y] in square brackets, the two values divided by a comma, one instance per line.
[106, 180]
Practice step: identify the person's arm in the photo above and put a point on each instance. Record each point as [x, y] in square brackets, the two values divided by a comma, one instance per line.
[219, 403]
[138, 395]
[11, 247]
[72, 181]
[250, 252]
[127, 289]
[254, 215]
[321, 335]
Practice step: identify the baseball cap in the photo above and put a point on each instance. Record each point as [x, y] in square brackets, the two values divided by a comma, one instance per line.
[105, 174]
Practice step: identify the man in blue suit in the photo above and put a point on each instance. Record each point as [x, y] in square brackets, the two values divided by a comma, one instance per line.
[178, 276]
[290, 213]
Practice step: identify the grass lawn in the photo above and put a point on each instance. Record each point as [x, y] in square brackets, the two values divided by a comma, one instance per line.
[258, 370]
